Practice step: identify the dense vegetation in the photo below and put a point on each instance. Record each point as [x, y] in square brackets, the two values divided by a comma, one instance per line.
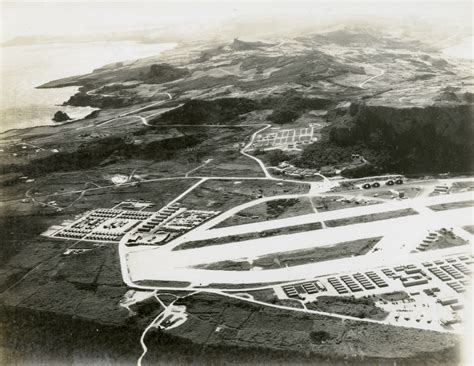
[290, 106]
[83, 99]
[199, 112]
[413, 140]
[356, 307]
[104, 151]
[161, 73]
[287, 108]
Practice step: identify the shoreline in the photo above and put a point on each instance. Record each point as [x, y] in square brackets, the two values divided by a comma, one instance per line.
[54, 125]
[74, 81]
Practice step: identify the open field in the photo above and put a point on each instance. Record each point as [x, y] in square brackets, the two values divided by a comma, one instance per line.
[230, 163]
[248, 236]
[295, 258]
[370, 217]
[85, 284]
[78, 193]
[224, 194]
[270, 210]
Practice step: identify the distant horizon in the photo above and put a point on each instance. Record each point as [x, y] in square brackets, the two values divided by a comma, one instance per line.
[70, 20]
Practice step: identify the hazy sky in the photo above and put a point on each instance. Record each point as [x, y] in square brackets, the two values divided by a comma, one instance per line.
[76, 18]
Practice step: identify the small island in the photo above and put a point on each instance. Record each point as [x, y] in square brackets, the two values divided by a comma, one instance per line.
[61, 116]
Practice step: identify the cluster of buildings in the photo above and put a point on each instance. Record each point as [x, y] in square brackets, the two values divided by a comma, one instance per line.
[143, 227]
[300, 290]
[285, 139]
[167, 224]
[159, 218]
[289, 170]
[409, 275]
[357, 282]
[439, 284]
[441, 189]
[427, 241]
[103, 225]
[189, 219]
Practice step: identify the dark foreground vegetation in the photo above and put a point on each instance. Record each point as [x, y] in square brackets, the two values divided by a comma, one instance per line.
[433, 139]
[286, 109]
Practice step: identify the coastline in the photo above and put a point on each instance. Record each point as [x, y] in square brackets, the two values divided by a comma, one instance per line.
[25, 106]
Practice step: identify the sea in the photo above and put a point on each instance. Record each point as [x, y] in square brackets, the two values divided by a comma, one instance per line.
[25, 67]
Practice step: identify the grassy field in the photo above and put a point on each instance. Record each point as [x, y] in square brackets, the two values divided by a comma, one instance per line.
[249, 236]
[452, 205]
[371, 217]
[224, 194]
[299, 257]
[158, 283]
[228, 164]
[68, 195]
[271, 210]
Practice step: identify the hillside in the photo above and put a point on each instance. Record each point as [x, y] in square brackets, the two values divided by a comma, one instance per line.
[433, 139]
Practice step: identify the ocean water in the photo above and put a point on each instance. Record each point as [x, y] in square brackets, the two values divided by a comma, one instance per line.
[23, 68]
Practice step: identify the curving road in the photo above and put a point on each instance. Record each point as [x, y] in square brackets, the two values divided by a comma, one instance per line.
[260, 162]
[381, 72]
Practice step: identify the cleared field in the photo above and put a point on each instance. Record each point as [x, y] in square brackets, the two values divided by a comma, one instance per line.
[270, 210]
[230, 163]
[224, 194]
[372, 217]
[359, 308]
[74, 199]
[256, 235]
[295, 258]
[452, 205]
